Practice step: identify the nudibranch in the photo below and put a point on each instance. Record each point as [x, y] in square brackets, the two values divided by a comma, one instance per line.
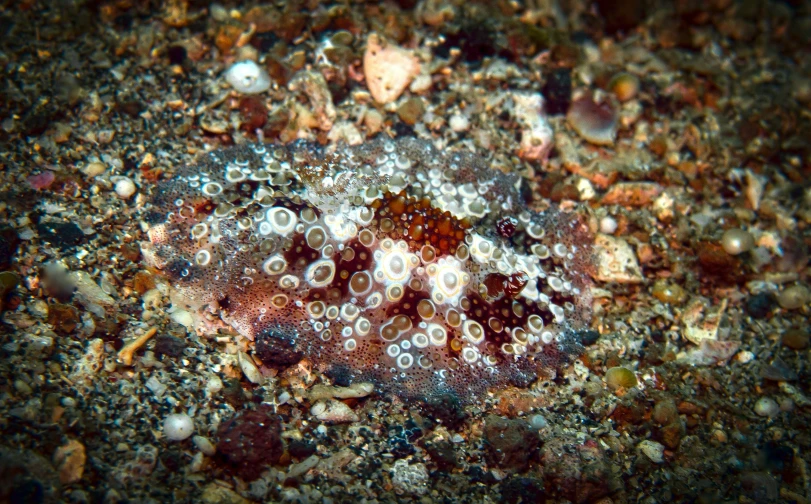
[422, 271]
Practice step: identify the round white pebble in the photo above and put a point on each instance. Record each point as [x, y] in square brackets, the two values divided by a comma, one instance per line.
[608, 225]
[537, 421]
[459, 123]
[178, 427]
[125, 188]
[767, 407]
[737, 241]
[248, 77]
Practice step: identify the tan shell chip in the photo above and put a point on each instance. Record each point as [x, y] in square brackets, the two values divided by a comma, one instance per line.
[388, 68]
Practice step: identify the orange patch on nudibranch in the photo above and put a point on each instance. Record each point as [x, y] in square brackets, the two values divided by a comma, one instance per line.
[420, 223]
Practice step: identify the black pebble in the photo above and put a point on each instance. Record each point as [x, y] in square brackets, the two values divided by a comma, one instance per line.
[589, 337]
[301, 449]
[402, 129]
[277, 345]
[557, 91]
[62, 235]
[479, 475]
[760, 305]
[28, 492]
[9, 241]
[443, 455]
[522, 490]
[445, 408]
[177, 54]
[166, 344]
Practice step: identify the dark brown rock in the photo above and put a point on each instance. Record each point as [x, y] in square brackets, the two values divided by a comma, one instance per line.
[250, 442]
[509, 443]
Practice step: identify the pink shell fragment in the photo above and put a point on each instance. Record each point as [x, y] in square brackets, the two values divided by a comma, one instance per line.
[41, 180]
[594, 122]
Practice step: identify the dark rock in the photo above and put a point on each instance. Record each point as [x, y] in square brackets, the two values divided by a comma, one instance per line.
[27, 478]
[171, 459]
[509, 443]
[301, 449]
[63, 317]
[341, 375]
[61, 235]
[28, 492]
[479, 475]
[9, 242]
[177, 54]
[665, 411]
[577, 472]
[693, 453]
[277, 346]
[443, 454]
[628, 413]
[264, 41]
[522, 491]
[250, 442]
[621, 15]
[760, 305]
[778, 370]
[131, 108]
[166, 344]
[776, 457]
[760, 487]
[446, 409]
[557, 91]
[671, 434]
[588, 337]
[796, 339]
[475, 40]
[124, 21]
[402, 437]
[402, 129]
[233, 393]
[9, 298]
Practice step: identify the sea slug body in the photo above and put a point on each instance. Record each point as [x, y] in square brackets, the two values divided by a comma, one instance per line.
[390, 261]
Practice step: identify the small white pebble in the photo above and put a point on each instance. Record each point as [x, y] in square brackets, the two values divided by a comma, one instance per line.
[213, 385]
[767, 407]
[197, 463]
[125, 188]
[218, 12]
[204, 445]
[608, 225]
[93, 169]
[156, 386]
[737, 241]
[459, 123]
[653, 450]
[183, 318]
[537, 422]
[421, 83]
[178, 427]
[248, 77]
[793, 297]
[745, 357]
[249, 369]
